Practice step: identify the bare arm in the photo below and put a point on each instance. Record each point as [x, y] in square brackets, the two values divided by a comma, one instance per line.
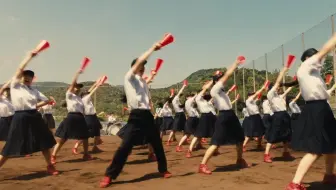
[6, 85]
[74, 80]
[180, 91]
[151, 77]
[329, 46]
[287, 91]
[280, 77]
[255, 95]
[24, 64]
[205, 88]
[144, 57]
[297, 97]
[229, 72]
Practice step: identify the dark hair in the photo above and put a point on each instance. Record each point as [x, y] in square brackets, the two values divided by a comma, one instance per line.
[123, 98]
[160, 104]
[169, 100]
[263, 97]
[250, 93]
[29, 73]
[182, 105]
[215, 78]
[308, 53]
[270, 86]
[135, 60]
[64, 104]
[84, 93]
[207, 97]
[191, 95]
[290, 84]
[78, 85]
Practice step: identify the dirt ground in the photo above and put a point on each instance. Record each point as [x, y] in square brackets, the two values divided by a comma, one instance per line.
[29, 173]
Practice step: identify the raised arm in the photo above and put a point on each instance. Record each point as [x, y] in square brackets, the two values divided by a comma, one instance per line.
[287, 91]
[297, 97]
[230, 71]
[94, 85]
[280, 77]
[6, 85]
[180, 91]
[24, 64]
[151, 77]
[144, 57]
[256, 94]
[205, 88]
[74, 80]
[329, 46]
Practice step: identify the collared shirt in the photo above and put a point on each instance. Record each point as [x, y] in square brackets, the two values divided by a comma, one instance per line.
[74, 103]
[294, 107]
[267, 107]
[251, 106]
[89, 108]
[277, 102]
[190, 109]
[176, 104]
[221, 99]
[6, 107]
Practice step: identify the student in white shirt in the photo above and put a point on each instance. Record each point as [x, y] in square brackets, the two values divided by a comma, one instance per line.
[280, 130]
[91, 119]
[168, 120]
[228, 129]
[74, 125]
[245, 120]
[315, 133]
[141, 121]
[48, 117]
[192, 121]
[207, 119]
[295, 111]
[267, 114]
[179, 118]
[6, 111]
[28, 133]
[254, 127]
[158, 115]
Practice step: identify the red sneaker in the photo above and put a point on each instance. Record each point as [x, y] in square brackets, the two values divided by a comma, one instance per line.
[152, 157]
[329, 179]
[188, 155]
[53, 160]
[294, 186]
[242, 163]
[244, 148]
[51, 170]
[168, 143]
[179, 149]
[87, 157]
[203, 168]
[204, 140]
[287, 156]
[105, 182]
[267, 158]
[167, 174]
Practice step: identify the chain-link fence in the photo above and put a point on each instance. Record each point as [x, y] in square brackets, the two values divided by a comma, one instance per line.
[254, 73]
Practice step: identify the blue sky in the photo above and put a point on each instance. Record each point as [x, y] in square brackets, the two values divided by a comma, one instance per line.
[112, 32]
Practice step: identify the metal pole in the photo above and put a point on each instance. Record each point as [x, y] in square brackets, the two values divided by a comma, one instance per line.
[266, 66]
[234, 79]
[95, 99]
[244, 84]
[254, 83]
[283, 64]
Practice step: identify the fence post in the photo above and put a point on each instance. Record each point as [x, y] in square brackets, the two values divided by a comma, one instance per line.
[95, 99]
[244, 83]
[283, 64]
[254, 83]
[266, 66]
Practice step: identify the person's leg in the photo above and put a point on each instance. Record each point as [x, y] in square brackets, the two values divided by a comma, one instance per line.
[191, 146]
[247, 139]
[305, 164]
[57, 148]
[50, 167]
[203, 168]
[267, 157]
[3, 160]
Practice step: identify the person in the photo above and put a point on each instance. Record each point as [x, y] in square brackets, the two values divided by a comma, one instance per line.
[207, 119]
[280, 130]
[255, 127]
[315, 133]
[91, 119]
[180, 118]
[227, 127]
[245, 119]
[74, 125]
[28, 133]
[168, 120]
[140, 121]
[295, 110]
[48, 115]
[6, 111]
[267, 114]
[192, 121]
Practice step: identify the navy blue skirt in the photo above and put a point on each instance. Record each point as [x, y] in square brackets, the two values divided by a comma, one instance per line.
[179, 121]
[73, 127]
[254, 126]
[280, 130]
[267, 120]
[158, 122]
[5, 123]
[49, 120]
[206, 125]
[167, 124]
[27, 134]
[227, 129]
[191, 125]
[94, 125]
[315, 131]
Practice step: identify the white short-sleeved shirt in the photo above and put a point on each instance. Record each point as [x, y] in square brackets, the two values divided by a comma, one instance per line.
[74, 103]
[89, 108]
[158, 112]
[24, 97]
[6, 107]
[137, 92]
[312, 85]
[166, 111]
[267, 107]
[47, 109]
[221, 99]
[111, 119]
[190, 109]
[245, 112]
[176, 104]
[277, 102]
[251, 106]
[294, 107]
[203, 105]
